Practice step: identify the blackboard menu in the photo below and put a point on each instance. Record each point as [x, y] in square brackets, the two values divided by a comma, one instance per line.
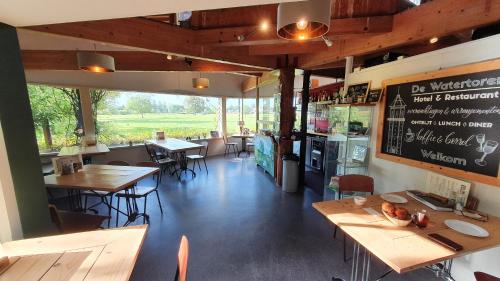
[450, 121]
[373, 96]
[358, 90]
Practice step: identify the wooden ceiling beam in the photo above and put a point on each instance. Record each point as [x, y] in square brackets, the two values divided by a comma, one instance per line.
[148, 35]
[254, 36]
[126, 61]
[436, 18]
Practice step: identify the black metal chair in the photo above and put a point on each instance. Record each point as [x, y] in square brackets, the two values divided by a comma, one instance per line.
[139, 192]
[165, 163]
[196, 158]
[230, 145]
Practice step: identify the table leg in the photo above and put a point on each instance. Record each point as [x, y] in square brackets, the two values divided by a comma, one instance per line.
[442, 270]
[243, 146]
[183, 165]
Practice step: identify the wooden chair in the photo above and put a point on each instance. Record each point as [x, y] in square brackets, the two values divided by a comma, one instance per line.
[228, 145]
[196, 158]
[141, 191]
[71, 222]
[352, 184]
[481, 276]
[182, 260]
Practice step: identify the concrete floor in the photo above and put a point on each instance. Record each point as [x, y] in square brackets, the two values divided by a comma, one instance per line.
[242, 227]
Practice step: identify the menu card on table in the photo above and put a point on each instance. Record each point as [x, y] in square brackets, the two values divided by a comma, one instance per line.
[66, 165]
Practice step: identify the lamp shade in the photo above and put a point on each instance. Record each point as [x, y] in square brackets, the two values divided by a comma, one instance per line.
[201, 83]
[95, 62]
[304, 20]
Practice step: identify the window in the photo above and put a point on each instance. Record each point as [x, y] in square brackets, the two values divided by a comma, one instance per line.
[233, 115]
[125, 117]
[250, 113]
[267, 118]
[57, 116]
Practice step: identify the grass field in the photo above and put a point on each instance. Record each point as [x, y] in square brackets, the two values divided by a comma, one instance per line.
[121, 129]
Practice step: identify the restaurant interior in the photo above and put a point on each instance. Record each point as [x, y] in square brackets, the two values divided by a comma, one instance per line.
[250, 140]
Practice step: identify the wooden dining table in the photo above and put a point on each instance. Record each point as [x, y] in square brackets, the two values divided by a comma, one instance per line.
[106, 178]
[403, 249]
[86, 151]
[243, 138]
[95, 255]
[179, 148]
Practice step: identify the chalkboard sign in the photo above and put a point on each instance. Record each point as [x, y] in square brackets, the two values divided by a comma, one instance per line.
[354, 92]
[450, 120]
[373, 96]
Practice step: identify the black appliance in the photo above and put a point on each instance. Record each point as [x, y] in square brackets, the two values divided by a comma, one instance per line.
[315, 163]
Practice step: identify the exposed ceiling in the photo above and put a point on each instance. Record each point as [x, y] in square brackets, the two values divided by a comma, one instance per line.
[36, 12]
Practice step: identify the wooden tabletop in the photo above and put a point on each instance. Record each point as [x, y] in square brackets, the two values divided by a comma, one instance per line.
[96, 255]
[175, 145]
[405, 248]
[101, 177]
[242, 136]
[86, 150]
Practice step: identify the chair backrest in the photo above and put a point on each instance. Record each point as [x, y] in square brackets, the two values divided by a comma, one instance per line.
[149, 151]
[481, 276]
[205, 144]
[118, 163]
[224, 138]
[54, 216]
[182, 260]
[356, 183]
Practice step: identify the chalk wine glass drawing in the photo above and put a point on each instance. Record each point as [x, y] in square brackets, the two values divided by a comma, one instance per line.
[489, 147]
[480, 138]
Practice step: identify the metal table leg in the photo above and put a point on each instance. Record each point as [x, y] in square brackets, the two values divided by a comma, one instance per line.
[183, 165]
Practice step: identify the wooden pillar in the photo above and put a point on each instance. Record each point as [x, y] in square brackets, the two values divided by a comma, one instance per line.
[88, 119]
[24, 170]
[303, 127]
[257, 112]
[287, 117]
[223, 117]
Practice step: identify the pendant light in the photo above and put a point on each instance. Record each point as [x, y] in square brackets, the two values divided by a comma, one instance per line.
[94, 62]
[304, 20]
[201, 83]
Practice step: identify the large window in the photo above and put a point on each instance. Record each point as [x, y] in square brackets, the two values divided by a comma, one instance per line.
[267, 113]
[57, 116]
[250, 113]
[233, 115]
[133, 117]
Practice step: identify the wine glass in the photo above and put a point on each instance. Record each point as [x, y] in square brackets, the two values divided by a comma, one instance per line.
[489, 147]
[480, 139]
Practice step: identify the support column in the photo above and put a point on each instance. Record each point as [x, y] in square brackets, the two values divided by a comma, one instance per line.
[23, 170]
[257, 112]
[303, 127]
[223, 117]
[87, 116]
[349, 63]
[287, 117]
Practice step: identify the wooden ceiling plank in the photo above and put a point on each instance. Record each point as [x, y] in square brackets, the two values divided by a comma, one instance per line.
[348, 26]
[149, 35]
[436, 18]
[125, 61]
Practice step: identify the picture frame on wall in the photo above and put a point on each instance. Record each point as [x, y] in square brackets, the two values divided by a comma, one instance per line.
[373, 96]
[357, 93]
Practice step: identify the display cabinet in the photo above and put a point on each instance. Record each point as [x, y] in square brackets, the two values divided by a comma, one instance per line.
[348, 144]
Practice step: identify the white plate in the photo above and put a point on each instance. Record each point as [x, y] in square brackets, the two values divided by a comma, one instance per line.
[467, 228]
[393, 198]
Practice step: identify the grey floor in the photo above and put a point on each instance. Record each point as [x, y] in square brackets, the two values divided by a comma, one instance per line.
[242, 227]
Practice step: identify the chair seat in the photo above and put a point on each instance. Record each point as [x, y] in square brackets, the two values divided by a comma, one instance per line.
[96, 193]
[77, 222]
[250, 144]
[231, 143]
[166, 161]
[195, 157]
[139, 192]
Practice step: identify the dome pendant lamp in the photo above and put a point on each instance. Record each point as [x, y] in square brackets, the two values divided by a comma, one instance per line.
[94, 62]
[304, 20]
[201, 83]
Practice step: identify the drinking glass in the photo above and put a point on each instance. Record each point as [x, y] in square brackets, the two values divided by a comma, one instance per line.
[480, 138]
[489, 147]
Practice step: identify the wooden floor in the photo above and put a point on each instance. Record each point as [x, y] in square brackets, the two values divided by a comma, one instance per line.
[241, 227]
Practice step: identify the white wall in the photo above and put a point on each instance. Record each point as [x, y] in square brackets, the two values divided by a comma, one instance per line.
[390, 176]
[10, 223]
[221, 84]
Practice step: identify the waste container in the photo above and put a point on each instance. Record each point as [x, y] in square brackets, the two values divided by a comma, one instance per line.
[290, 173]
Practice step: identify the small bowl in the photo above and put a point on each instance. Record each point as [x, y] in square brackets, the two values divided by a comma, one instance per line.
[397, 221]
[359, 200]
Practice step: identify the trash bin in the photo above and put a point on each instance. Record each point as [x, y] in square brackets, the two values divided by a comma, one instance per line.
[290, 173]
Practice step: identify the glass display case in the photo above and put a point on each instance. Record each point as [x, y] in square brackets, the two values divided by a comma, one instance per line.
[348, 144]
[318, 117]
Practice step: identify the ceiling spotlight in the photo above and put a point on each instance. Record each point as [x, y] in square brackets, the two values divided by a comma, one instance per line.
[264, 26]
[303, 20]
[327, 40]
[433, 40]
[169, 57]
[240, 38]
[94, 62]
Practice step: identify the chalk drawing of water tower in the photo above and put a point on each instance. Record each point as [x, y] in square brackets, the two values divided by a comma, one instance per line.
[396, 123]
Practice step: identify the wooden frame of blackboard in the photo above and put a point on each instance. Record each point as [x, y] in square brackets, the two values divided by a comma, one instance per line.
[357, 84]
[453, 71]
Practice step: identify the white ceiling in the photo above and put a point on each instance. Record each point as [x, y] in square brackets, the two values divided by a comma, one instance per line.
[39, 12]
